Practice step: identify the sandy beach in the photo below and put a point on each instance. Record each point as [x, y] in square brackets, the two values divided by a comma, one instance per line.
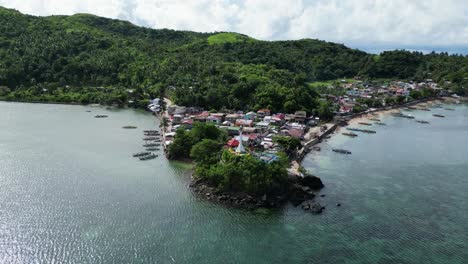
[365, 117]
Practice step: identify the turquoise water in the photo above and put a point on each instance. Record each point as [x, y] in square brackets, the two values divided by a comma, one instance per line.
[70, 192]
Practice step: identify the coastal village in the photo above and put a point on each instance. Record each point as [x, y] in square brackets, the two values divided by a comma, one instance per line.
[253, 132]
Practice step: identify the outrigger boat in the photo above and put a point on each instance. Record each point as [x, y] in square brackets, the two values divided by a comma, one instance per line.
[361, 130]
[153, 149]
[150, 145]
[141, 154]
[149, 138]
[342, 151]
[422, 121]
[365, 124]
[152, 156]
[402, 115]
[349, 134]
[437, 115]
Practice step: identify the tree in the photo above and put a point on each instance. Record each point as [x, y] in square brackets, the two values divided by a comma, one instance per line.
[206, 152]
[288, 144]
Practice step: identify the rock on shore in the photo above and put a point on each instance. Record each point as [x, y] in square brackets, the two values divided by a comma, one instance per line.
[299, 190]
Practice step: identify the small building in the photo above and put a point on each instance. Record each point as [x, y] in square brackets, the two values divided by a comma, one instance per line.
[233, 143]
[300, 116]
[263, 112]
[214, 119]
[233, 117]
[250, 116]
[244, 122]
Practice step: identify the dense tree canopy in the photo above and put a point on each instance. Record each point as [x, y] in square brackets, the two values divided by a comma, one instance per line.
[89, 59]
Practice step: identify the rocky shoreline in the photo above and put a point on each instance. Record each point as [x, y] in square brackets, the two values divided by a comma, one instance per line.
[301, 191]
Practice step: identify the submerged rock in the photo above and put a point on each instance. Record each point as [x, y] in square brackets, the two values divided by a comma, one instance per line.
[316, 208]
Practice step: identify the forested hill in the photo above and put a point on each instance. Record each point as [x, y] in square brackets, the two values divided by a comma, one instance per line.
[69, 56]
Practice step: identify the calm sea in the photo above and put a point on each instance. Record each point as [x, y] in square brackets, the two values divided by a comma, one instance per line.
[70, 192]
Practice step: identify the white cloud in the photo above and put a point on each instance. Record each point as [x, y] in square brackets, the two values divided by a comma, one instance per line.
[402, 23]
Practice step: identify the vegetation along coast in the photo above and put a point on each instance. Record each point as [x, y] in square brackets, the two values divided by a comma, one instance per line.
[245, 111]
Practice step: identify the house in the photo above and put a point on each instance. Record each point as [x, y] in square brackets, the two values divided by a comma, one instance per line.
[244, 122]
[214, 119]
[263, 112]
[177, 119]
[250, 116]
[249, 130]
[218, 115]
[263, 126]
[233, 143]
[300, 116]
[295, 133]
[233, 117]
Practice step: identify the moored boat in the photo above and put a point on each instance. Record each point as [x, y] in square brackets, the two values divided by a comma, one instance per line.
[374, 119]
[380, 123]
[365, 124]
[437, 115]
[349, 134]
[422, 121]
[129, 127]
[141, 154]
[342, 151]
[449, 109]
[152, 156]
[101, 116]
[361, 130]
[151, 145]
[153, 149]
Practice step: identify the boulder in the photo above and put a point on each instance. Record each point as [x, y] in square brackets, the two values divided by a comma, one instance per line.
[312, 182]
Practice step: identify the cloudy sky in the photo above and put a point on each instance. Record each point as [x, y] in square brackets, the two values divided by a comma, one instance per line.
[372, 25]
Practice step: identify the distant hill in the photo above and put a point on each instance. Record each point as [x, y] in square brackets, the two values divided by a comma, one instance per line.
[212, 70]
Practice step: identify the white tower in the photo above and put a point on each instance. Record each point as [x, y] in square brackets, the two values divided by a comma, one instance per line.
[240, 148]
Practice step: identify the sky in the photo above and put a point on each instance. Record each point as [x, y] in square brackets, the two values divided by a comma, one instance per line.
[371, 25]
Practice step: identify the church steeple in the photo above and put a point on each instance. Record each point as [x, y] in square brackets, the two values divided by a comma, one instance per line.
[240, 148]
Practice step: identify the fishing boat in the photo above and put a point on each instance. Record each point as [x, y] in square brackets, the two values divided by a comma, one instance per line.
[100, 116]
[411, 108]
[374, 119]
[342, 151]
[449, 109]
[402, 115]
[437, 115]
[349, 134]
[152, 156]
[129, 127]
[365, 124]
[149, 138]
[141, 154]
[153, 149]
[88, 111]
[380, 123]
[150, 145]
[361, 130]
[422, 121]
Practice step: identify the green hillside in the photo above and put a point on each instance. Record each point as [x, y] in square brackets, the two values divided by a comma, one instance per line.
[89, 59]
[226, 37]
